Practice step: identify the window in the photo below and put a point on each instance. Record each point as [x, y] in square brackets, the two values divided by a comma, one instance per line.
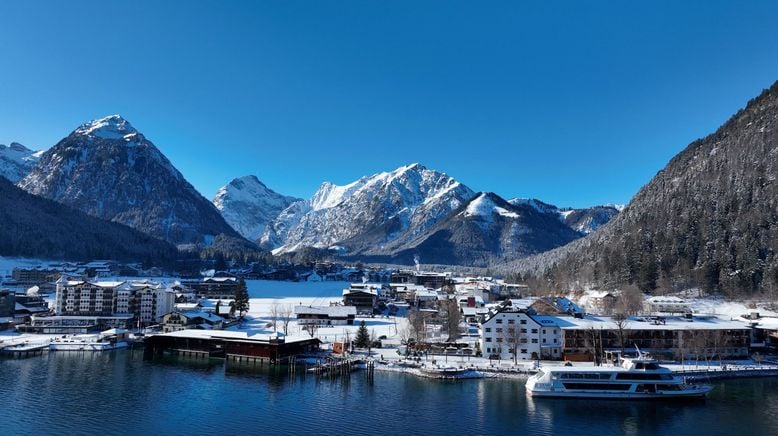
[488, 339]
[488, 329]
[499, 329]
[523, 321]
[555, 340]
[544, 340]
[524, 330]
[499, 339]
[511, 321]
[534, 330]
[499, 321]
[534, 341]
[544, 331]
[523, 351]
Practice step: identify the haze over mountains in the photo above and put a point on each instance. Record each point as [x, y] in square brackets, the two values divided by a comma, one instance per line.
[709, 219]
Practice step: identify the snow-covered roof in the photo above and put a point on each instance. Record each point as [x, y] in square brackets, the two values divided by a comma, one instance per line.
[666, 299]
[639, 323]
[230, 334]
[332, 311]
[597, 294]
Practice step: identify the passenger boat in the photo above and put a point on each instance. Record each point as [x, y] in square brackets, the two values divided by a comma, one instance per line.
[109, 340]
[636, 378]
[448, 372]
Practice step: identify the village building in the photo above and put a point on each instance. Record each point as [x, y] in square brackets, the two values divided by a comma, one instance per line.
[214, 287]
[176, 321]
[325, 315]
[666, 304]
[511, 329]
[664, 337]
[35, 276]
[363, 296]
[82, 305]
[7, 305]
[599, 302]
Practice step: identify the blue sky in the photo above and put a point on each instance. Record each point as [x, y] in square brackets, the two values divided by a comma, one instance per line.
[575, 103]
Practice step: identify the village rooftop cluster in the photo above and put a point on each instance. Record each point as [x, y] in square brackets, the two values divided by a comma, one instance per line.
[430, 312]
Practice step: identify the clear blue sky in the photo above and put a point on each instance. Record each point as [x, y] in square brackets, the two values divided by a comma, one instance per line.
[575, 103]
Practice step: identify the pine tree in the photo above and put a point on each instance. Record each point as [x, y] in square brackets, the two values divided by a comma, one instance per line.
[363, 336]
[241, 303]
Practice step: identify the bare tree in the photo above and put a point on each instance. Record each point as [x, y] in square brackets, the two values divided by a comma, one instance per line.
[311, 328]
[622, 329]
[630, 302]
[417, 324]
[453, 318]
[512, 335]
[286, 317]
[680, 347]
[274, 315]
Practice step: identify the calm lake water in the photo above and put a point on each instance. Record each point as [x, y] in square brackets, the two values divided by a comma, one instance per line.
[120, 393]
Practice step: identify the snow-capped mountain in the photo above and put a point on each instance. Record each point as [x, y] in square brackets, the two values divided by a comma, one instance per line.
[590, 219]
[16, 161]
[485, 229]
[108, 169]
[583, 221]
[248, 205]
[370, 215]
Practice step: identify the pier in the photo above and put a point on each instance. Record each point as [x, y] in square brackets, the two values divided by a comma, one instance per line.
[234, 347]
[25, 349]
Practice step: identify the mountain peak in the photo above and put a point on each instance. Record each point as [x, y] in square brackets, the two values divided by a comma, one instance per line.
[487, 203]
[110, 127]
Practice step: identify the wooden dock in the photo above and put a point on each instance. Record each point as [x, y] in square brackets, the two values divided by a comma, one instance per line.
[25, 349]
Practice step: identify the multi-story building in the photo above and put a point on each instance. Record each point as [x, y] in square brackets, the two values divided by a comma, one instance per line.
[512, 330]
[7, 304]
[143, 302]
[214, 287]
[363, 296]
[34, 276]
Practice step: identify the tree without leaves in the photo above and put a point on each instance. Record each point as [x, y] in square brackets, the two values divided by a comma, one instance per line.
[311, 328]
[286, 317]
[513, 335]
[274, 309]
[416, 324]
[453, 318]
[622, 329]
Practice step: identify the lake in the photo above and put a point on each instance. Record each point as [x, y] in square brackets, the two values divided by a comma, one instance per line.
[119, 393]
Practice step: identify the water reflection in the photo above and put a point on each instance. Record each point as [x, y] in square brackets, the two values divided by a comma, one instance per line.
[116, 392]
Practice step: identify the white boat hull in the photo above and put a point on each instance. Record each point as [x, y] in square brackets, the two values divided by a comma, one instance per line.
[695, 392]
[87, 346]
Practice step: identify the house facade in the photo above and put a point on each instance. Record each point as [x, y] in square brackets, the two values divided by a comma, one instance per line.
[512, 329]
[325, 315]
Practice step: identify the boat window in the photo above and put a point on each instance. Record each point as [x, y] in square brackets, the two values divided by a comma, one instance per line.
[668, 387]
[596, 386]
[633, 376]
